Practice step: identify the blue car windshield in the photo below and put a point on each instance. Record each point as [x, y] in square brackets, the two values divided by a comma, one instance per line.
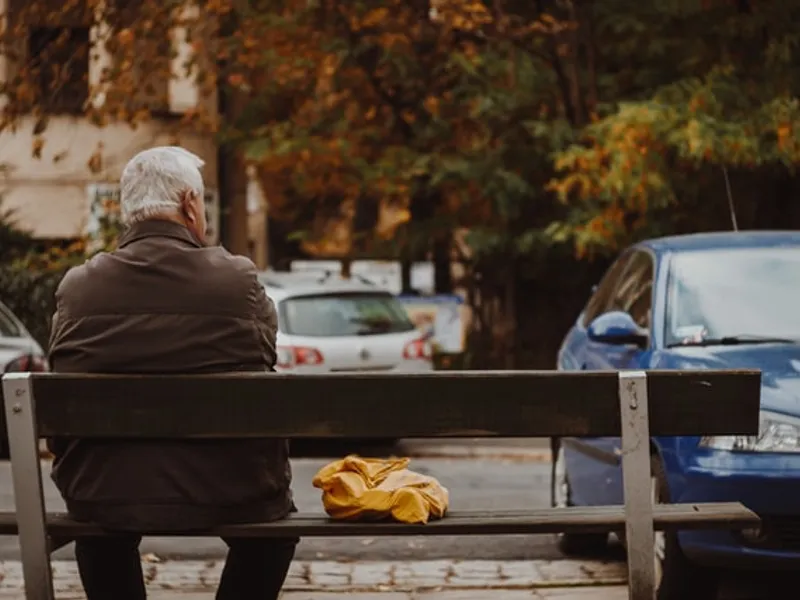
[734, 294]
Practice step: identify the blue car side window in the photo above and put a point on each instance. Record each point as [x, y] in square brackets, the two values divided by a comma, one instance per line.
[627, 286]
[634, 295]
[599, 302]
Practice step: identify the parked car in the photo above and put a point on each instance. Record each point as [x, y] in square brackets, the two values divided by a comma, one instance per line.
[703, 301]
[18, 352]
[330, 324]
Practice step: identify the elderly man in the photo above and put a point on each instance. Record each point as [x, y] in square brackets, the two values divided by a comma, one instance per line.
[163, 302]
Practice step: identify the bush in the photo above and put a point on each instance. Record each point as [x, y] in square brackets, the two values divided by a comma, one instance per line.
[30, 271]
[28, 285]
[14, 241]
[30, 297]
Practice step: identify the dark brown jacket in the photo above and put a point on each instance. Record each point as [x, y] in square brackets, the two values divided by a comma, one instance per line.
[162, 303]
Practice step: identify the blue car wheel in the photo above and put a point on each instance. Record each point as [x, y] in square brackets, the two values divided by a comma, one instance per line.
[676, 577]
[571, 544]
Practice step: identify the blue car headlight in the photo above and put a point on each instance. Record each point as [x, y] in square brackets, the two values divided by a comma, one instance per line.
[776, 433]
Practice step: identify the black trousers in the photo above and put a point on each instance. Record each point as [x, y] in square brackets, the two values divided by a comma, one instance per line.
[111, 568]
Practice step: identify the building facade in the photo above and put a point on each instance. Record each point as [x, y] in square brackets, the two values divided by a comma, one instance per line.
[56, 180]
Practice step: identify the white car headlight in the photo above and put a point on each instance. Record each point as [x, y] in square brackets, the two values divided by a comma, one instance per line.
[776, 433]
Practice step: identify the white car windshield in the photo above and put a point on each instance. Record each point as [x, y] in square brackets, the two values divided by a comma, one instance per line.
[327, 315]
[734, 295]
[8, 324]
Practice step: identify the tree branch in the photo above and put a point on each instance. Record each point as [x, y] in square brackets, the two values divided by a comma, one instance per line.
[561, 76]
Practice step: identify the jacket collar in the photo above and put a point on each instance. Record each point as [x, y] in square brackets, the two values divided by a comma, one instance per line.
[157, 228]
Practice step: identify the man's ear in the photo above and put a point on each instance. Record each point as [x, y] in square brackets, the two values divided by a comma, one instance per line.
[186, 206]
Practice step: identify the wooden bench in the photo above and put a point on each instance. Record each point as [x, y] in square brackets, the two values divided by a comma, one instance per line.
[634, 404]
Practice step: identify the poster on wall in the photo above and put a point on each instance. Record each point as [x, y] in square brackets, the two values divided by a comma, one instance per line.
[440, 318]
[104, 204]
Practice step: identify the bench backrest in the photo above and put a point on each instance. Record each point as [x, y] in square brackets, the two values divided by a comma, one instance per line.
[439, 404]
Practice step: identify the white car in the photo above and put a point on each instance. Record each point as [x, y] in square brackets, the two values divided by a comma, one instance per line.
[330, 324]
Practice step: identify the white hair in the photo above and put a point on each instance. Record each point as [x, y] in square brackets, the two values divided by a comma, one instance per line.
[153, 181]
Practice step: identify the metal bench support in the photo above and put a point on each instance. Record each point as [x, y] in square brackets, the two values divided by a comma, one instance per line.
[636, 474]
[23, 444]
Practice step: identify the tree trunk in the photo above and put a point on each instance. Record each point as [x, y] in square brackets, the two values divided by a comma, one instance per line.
[572, 41]
[511, 319]
[236, 201]
[591, 60]
[405, 276]
[442, 266]
[232, 194]
[222, 186]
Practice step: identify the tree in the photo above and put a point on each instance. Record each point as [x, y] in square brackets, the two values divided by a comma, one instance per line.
[439, 113]
[407, 121]
[386, 128]
[727, 105]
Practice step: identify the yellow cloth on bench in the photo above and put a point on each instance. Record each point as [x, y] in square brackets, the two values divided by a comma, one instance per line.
[372, 489]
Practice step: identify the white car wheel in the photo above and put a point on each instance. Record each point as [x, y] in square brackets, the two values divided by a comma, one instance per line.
[560, 484]
[578, 544]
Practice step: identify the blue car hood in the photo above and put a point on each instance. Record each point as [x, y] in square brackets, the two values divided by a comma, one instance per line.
[779, 365]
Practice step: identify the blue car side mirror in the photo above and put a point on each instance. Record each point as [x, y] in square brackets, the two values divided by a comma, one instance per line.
[618, 328]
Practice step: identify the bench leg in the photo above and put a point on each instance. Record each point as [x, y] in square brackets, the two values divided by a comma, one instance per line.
[28, 495]
[636, 476]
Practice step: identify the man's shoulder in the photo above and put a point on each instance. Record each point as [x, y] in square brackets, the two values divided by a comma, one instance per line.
[76, 277]
[213, 268]
[235, 261]
[236, 265]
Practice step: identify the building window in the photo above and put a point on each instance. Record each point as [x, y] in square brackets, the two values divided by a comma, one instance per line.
[48, 55]
[151, 51]
[58, 64]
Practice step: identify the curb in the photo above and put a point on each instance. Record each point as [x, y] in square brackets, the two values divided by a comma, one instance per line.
[461, 452]
[378, 576]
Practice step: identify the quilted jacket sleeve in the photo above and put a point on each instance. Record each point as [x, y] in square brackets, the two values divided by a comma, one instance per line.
[266, 318]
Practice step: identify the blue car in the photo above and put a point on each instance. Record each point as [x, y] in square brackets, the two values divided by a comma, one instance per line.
[702, 301]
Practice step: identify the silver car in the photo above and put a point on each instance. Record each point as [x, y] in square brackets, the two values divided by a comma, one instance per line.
[19, 351]
[330, 324]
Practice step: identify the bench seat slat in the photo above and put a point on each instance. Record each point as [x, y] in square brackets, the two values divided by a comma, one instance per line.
[731, 515]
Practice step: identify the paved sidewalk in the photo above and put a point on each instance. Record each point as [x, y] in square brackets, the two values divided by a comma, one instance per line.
[387, 580]
[579, 593]
[515, 449]
[585, 593]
